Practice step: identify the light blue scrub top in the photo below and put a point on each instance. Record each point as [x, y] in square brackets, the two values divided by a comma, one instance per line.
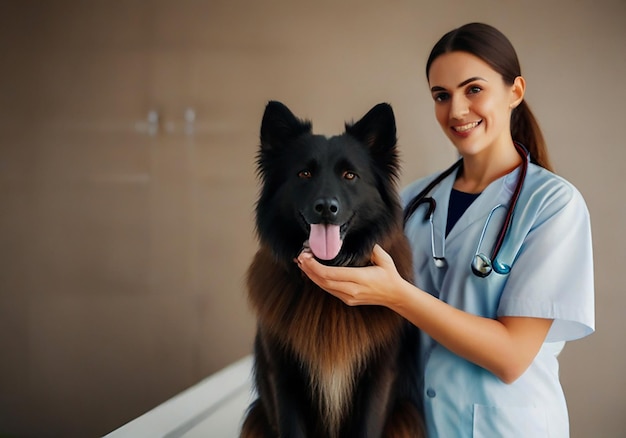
[549, 249]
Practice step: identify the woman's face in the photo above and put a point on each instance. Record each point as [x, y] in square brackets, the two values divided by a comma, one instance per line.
[473, 104]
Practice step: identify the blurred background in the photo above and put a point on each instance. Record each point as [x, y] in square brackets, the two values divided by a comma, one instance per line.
[128, 130]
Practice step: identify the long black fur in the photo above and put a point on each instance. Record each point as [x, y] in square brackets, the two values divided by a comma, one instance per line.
[322, 368]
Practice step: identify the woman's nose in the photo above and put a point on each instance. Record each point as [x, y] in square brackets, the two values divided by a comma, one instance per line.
[459, 108]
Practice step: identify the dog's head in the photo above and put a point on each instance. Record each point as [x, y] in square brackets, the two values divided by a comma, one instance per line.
[337, 195]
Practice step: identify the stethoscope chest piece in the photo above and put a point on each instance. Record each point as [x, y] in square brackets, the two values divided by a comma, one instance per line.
[481, 265]
[440, 262]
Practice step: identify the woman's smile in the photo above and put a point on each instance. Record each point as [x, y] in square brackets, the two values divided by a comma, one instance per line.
[466, 128]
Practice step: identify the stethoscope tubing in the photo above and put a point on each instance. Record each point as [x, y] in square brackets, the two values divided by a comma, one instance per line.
[421, 196]
[513, 202]
[486, 264]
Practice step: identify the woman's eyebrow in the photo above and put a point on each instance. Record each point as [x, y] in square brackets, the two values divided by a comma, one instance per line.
[467, 81]
[462, 84]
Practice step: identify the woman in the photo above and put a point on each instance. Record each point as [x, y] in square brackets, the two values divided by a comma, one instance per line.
[490, 339]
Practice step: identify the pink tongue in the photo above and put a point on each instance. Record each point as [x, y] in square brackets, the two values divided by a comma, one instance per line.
[324, 241]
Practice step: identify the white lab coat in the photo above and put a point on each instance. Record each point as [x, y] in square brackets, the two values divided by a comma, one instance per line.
[549, 249]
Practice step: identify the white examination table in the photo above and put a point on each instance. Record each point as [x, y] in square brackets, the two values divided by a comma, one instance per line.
[212, 408]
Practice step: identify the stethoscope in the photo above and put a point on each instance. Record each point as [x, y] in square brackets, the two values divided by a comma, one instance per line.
[481, 264]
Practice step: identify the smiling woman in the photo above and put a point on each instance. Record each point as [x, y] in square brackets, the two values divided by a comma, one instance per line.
[476, 44]
[489, 352]
[473, 106]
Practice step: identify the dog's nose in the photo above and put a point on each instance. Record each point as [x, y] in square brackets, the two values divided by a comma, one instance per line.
[327, 207]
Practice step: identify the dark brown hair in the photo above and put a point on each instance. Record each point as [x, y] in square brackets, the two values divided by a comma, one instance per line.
[490, 45]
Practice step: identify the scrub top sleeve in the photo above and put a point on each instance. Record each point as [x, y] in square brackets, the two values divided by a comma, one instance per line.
[552, 276]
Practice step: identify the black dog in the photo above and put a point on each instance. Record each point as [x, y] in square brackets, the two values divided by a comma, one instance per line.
[324, 369]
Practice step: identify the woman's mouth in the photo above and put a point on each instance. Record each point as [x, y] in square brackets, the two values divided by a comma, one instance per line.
[462, 129]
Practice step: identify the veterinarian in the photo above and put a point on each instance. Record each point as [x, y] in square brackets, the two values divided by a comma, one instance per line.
[502, 255]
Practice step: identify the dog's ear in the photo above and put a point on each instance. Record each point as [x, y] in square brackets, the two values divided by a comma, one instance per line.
[280, 125]
[377, 130]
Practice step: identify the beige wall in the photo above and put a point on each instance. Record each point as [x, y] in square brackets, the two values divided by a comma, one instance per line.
[122, 253]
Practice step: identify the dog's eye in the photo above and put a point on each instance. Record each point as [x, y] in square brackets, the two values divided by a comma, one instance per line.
[305, 174]
[349, 175]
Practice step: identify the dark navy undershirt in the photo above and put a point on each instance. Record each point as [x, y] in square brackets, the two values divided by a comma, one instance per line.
[459, 202]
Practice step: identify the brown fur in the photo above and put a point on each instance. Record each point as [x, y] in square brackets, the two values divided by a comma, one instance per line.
[324, 333]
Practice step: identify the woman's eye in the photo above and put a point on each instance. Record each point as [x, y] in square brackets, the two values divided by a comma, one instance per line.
[304, 174]
[441, 97]
[349, 175]
[474, 90]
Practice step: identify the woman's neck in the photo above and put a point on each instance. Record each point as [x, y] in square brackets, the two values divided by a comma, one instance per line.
[480, 170]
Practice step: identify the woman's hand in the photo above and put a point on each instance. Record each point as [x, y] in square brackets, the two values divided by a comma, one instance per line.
[504, 346]
[370, 285]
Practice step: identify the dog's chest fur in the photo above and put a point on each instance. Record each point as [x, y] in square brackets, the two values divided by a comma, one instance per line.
[331, 340]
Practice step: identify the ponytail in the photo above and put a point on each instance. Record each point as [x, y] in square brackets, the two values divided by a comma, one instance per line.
[525, 130]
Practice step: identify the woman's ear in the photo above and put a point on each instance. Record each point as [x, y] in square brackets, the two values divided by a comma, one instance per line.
[517, 91]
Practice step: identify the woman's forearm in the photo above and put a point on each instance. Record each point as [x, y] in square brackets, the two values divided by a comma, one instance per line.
[504, 346]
